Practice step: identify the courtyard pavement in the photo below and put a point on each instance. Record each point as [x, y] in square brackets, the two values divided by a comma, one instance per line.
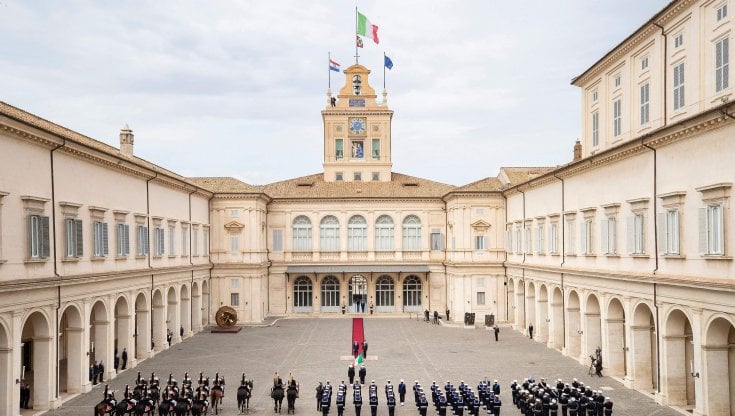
[318, 349]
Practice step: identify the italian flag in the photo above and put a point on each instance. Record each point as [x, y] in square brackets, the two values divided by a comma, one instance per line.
[358, 360]
[365, 28]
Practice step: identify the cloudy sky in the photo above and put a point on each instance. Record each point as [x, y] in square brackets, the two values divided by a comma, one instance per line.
[224, 88]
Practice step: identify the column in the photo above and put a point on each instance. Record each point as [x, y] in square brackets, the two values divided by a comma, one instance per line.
[592, 338]
[640, 366]
[556, 340]
[196, 311]
[543, 321]
[75, 358]
[573, 336]
[42, 373]
[7, 383]
[674, 390]
[103, 346]
[142, 338]
[159, 328]
[613, 356]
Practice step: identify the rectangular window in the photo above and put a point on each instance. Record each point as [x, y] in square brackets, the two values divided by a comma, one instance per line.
[595, 129]
[711, 230]
[195, 241]
[617, 81]
[594, 96]
[679, 86]
[376, 176]
[159, 244]
[234, 213]
[437, 242]
[722, 12]
[339, 149]
[171, 239]
[234, 283]
[480, 298]
[617, 118]
[234, 244]
[234, 299]
[644, 63]
[74, 238]
[679, 40]
[101, 246]
[141, 232]
[529, 242]
[376, 149]
[608, 237]
[357, 176]
[722, 64]
[644, 103]
[278, 240]
[206, 242]
[586, 238]
[123, 240]
[480, 242]
[38, 237]
[570, 237]
[540, 239]
[508, 240]
[339, 177]
[672, 232]
[184, 240]
[519, 242]
[554, 238]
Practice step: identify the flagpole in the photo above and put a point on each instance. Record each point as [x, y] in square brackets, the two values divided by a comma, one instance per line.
[357, 56]
[383, 69]
[329, 69]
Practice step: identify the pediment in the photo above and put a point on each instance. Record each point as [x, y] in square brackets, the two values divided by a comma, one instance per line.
[234, 226]
[480, 225]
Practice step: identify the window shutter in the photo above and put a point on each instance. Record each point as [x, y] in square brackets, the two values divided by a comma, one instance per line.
[583, 239]
[45, 238]
[29, 233]
[630, 234]
[703, 230]
[145, 240]
[603, 237]
[126, 239]
[79, 238]
[661, 227]
[105, 243]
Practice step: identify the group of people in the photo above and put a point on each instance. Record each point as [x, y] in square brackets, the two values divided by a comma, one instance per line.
[543, 399]
[96, 372]
[462, 398]
[116, 360]
[596, 362]
[361, 373]
[25, 395]
[324, 398]
[356, 348]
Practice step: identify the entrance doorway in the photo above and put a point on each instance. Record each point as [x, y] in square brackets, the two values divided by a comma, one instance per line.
[358, 293]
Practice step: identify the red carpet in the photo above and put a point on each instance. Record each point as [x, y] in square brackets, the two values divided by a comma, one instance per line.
[358, 333]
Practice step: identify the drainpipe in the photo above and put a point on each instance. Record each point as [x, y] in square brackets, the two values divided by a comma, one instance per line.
[191, 263]
[563, 259]
[56, 270]
[655, 249]
[446, 250]
[505, 266]
[209, 257]
[148, 219]
[666, 44]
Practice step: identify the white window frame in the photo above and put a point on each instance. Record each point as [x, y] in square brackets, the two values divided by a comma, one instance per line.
[528, 240]
[206, 241]
[480, 298]
[141, 240]
[679, 86]
[195, 241]
[357, 230]
[185, 240]
[644, 63]
[74, 238]
[235, 244]
[301, 230]
[712, 230]
[329, 229]
[99, 237]
[594, 96]
[586, 237]
[480, 242]
[554, 238]
[171, 239]
[609, 236]
[570, 236]
[234, 298]
[617, 80]
[645, 91]
[277, 240]
[721, 12]
[411, 233]
[122, 239]
[617, 117]
[38, 237]
[722, 64]
[159, 235]
[678, 40]
[636, 233]
[519, 241]
[540, 239]
[384, 233]
[508, 239]
[437, 240]
[595, 128]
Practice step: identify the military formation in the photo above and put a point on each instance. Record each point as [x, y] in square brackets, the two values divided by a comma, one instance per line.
[543, 399]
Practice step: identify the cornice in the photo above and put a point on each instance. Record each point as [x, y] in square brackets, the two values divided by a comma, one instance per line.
[358, 199]
[356, 112]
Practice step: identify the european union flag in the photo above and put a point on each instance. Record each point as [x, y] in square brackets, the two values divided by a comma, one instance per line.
[388, 62]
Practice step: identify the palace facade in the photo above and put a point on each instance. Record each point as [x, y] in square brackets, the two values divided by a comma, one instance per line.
[628, 247]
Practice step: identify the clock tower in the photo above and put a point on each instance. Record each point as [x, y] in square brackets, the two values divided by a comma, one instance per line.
[357, 132]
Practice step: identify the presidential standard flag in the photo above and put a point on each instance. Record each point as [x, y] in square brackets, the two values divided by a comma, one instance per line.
[333, 66]
[388, 62]
[365, 28]
[359, 42]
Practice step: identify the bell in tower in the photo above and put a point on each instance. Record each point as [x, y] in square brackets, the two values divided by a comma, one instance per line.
[356, 84]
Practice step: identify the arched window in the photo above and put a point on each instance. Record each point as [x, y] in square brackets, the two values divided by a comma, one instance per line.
[385, 293]
[412, 233]
[330, 294]
[357, 233]
[302, 294]
[412, 294]
[384, 233]
[301, 230]
[329, 234]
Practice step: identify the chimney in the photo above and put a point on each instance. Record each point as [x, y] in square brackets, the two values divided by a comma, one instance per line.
[126, 141]
[577, 150]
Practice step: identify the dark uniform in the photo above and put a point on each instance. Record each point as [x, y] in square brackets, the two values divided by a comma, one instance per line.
[402, 392]
[362, 373]
[351, 373]
[124, 358]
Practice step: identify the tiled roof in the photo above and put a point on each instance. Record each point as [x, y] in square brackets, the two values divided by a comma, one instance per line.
[511, 176]
[225, 185]
[489, 184]
[60, 131]
[314, 186]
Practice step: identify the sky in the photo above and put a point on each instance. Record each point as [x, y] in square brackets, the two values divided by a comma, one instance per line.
[235, 88]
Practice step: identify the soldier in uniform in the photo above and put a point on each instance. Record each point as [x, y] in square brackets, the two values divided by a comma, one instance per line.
[357, 398]
[402, 392]
[608, 404]
[362, 373]
[340, 402]
[364, 348]
[319, 393]
[124, 358]
[373, 398]
[351, 373]
[390, 398]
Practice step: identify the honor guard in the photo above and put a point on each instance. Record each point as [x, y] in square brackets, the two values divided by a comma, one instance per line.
[362, 373]
[402, 392]
[340, 402]
[351, 373]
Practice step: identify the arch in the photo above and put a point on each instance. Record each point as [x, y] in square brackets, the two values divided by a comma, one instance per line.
[329, 234]
[7, 404]
[643, 348]
[71, 350]
[330, 292]
[301, 233]
[520, 290]
[196, 308]
[592, 325]
[302, 294]
[172, 316]
[205, 303]
[357, 233]
[141, 330]
[185, 311]
[412, 290]
[678, 358]
[122, 328]
[384, 233]
[616, 342]
[531, 307]
[557, 319]
[543, 314]
[100, 347]
[385, 294]
[158, 309]
[574, 325]
[357, 293]
[36, 358]
[411, 233]
[718, 365]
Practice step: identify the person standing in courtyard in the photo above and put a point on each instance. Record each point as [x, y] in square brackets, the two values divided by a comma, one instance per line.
[319, 393]
[496, 330]
[124, 358]
[101, 371]
[351, 373]
[355, 348]
[364, 349]
[116, 361]
[530, 331]
[436, 318]
[447, 314]
[402, 392]
[362, 373]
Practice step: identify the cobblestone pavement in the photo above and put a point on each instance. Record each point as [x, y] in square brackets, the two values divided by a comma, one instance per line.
[318, 350]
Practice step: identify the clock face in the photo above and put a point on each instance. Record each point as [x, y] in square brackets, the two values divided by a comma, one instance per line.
[357, 125]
